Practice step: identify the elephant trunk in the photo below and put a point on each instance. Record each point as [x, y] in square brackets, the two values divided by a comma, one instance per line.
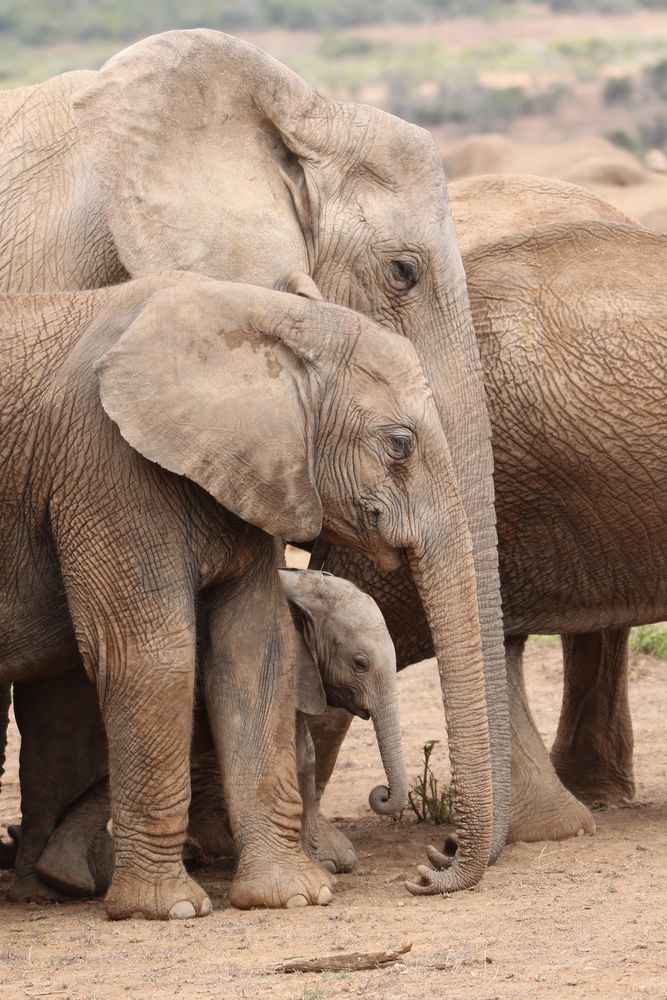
[444, 574]
[382, 800]
[453, 367]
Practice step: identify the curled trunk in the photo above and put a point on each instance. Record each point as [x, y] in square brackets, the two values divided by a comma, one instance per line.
[382, 800]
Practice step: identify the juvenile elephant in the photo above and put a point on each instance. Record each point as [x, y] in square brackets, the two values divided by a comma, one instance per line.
[194, 150]
[152, 433]
[571, 326]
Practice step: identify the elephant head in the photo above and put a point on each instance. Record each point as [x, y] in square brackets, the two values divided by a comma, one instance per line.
[349, 661]
[209, 155]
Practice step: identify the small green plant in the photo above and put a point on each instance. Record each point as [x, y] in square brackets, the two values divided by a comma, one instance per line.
[650, 639]
[428, 803]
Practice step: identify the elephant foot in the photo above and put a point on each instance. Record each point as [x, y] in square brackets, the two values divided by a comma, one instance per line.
[163, 897]
[543, 809]
[78, 858]
[76, 869]
[280, 882]
[335, 853]
[595, 779]
[31, 889]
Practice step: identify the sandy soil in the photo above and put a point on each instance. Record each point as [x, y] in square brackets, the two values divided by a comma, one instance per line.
[582, 918]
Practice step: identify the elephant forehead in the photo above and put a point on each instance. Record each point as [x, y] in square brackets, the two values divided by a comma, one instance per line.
[396, 149]
[398, 391]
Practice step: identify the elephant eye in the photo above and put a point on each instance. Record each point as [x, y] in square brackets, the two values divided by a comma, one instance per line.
[401, 444]
[404, 274]
[360, 662]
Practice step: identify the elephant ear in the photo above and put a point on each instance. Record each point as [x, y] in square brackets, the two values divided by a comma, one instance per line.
[202, 383]
[197, 139]
[298, 588]
[311, 698]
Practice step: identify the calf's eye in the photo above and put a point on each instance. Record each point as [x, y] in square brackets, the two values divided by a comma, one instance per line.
[361, 662]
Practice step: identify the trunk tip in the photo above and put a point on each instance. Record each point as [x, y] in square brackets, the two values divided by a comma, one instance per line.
[383, 802]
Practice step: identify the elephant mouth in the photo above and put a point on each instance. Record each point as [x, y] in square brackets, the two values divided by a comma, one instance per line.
[362, 713]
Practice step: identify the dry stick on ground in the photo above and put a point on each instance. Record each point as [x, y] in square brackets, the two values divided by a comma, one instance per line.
[352, 962]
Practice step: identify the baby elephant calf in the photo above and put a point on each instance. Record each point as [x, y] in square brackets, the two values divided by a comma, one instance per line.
[345, 659]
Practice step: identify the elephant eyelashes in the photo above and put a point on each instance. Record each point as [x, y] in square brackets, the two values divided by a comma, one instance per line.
[400, 444]
[404, 274]
[361, 662]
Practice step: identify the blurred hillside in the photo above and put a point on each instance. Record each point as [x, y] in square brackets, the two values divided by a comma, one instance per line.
[533, 72]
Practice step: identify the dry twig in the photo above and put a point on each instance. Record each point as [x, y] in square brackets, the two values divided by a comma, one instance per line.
[352, 962]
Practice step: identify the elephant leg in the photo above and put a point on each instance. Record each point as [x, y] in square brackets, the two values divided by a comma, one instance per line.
[141, 651]
[63, 752]
[335, 852]
[248, 674]
[592, 752]
[78, 858]
[209, 836]
[305, 769]
[541, 807]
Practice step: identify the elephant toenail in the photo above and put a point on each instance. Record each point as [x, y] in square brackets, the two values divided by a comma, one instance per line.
[182, 910]
[296, 901]
[329, 866]
[350, 861]
[206, 907]
[325, 896]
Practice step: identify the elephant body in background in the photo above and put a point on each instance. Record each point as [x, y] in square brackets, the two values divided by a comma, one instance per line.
[489, 207]
[194, 150]
[570, 322]
[592, 753]
[614, 174]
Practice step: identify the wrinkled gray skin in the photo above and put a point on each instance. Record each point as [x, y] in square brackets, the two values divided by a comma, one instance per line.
[592, 753]
[209, 132]
[574, 357]
[345, 660]
[489, 207]
[156, 435]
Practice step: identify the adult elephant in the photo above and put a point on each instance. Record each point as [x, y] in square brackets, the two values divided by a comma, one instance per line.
[560, 570]
[592, 753]
[193, 150]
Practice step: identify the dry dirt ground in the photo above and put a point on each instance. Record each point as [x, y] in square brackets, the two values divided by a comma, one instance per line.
[582, 918]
